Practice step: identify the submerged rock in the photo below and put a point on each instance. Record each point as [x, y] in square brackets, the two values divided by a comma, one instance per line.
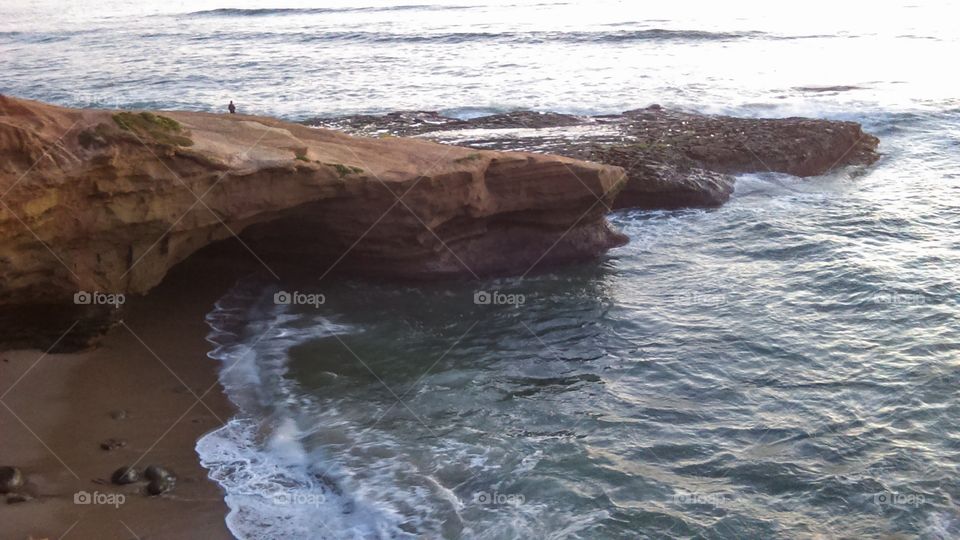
[673, 159]
[100, 204]
[11, 479]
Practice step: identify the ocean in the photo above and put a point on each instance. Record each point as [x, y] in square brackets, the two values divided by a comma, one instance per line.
[785, 366]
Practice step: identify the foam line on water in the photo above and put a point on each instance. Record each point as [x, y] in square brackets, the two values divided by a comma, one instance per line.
[275, 488]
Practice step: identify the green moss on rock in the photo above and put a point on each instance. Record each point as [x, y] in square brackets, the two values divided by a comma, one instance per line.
[344, 170]
[160, 128]
[468, 158]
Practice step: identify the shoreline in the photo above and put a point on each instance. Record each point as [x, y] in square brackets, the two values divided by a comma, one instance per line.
[58, 408]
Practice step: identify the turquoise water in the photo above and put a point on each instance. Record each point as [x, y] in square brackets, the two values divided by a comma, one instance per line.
[785, 366]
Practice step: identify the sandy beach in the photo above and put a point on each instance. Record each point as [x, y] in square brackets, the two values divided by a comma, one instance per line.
[149, 384]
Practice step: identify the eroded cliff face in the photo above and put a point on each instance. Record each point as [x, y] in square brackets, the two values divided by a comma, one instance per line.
[105, 201]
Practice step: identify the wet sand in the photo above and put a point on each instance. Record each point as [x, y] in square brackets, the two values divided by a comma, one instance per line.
[56, 410]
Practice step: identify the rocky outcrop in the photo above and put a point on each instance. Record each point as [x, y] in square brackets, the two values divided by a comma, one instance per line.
[673, 159]
[107, 202]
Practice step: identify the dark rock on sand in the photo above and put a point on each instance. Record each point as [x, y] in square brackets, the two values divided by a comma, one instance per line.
[119, 414]
[11, 479]
[113, 444]
[125, 475]
[161, 479]
[16, 498]
[161, 485]
[157, 472]
[673, 159]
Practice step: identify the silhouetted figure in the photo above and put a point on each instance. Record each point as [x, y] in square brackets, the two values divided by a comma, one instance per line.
[232, 108]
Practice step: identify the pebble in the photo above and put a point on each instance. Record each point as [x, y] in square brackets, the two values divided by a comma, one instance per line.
[16, 498]
[161, 485]
[161, 479]
[157, 472]
[125, 475]
[113, 444]
[11, 479]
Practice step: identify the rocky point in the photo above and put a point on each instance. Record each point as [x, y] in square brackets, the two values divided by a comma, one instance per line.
[673, 159]
[98, 202]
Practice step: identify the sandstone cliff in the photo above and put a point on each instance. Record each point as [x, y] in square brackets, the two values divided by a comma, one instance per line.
[108, 201]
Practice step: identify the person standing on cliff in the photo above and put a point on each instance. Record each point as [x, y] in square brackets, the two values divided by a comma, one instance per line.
[232, 108]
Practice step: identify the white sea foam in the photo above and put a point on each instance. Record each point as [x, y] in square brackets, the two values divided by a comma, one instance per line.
[275, 486]
[258, 458]
[272, 494]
